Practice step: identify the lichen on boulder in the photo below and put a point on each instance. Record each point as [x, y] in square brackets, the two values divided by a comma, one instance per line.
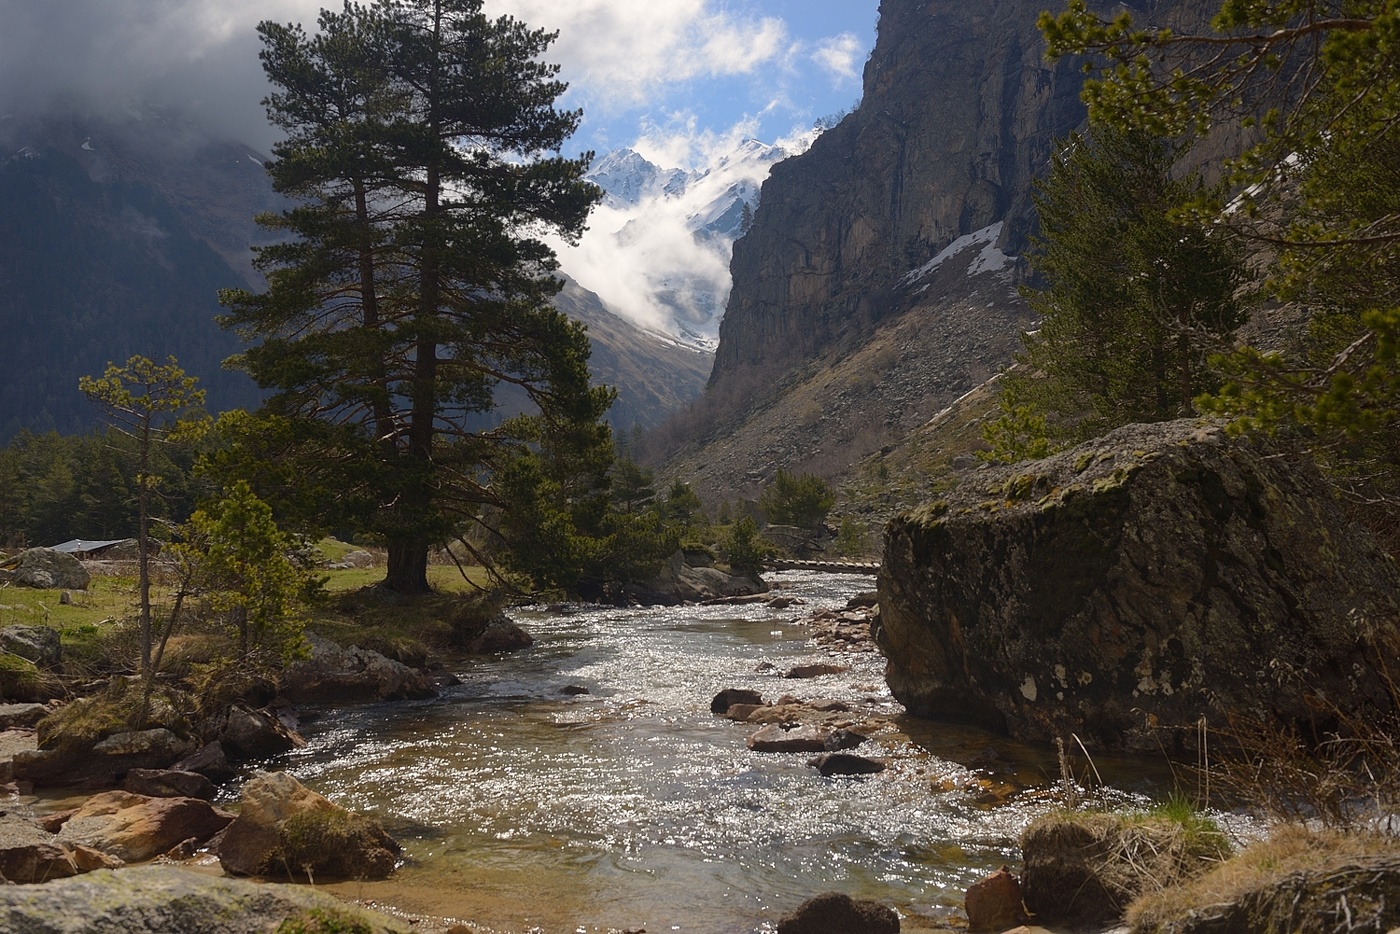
[285, 829]
[1125, 589]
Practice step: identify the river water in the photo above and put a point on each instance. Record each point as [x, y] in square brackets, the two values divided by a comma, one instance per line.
[522, 807]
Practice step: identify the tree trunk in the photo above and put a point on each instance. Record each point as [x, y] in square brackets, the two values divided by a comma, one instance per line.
[408, 566]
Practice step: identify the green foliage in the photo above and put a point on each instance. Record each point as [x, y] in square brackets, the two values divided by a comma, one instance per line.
[568, 526]
[243, 573]
[1133, 298]
[745, 550]
[1316, 90]
[802, 500]
[683, 506]
[410, 283]
[852, 539]
[153, 405]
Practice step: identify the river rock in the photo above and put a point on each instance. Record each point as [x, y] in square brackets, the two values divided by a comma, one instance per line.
[104, 762]
[727, 698]
[19, 716]
[39, 644]
[499, 633]
[245, 733]
[210, 761]
[815, 670]
[29, 854]
[285, 827]
[166, 899]
[1140, 581]
[837, 913]
[993, 903]
[774, 738]
[135, 827]
[169, 783]
[46, 569]
[336, 675]
[844, 763]
[679, 581]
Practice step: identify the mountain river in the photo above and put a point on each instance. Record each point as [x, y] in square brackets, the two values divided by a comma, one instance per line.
[522, 807]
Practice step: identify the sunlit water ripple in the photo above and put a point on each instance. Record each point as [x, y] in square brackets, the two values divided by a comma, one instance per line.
[633, 807]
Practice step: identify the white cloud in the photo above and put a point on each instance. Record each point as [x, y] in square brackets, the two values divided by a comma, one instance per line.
[624, 51]
[840, 56]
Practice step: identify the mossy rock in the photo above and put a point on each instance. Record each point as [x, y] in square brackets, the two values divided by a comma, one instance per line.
[85, 721]
[1085, 868]
[20, 679]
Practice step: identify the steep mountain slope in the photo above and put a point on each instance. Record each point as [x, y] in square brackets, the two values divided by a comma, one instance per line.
[114, 240]
[959, 115]
[653, 376]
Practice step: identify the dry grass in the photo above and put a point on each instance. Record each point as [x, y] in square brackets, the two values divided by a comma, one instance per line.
[1261, 867]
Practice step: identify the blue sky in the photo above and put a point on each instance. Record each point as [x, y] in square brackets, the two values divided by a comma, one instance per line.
[681, 80]
[677, 79]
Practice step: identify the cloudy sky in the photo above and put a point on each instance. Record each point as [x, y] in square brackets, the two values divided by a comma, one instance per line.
[677, 79]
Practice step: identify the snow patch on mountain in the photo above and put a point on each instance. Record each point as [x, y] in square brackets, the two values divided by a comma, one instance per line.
[988, 259]
[658, 246]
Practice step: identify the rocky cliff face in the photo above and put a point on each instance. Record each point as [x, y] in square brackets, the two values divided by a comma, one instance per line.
[1126, 588]
[960, 112]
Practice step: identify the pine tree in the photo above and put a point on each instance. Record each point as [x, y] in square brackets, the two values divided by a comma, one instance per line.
[1133, 299]
[424, 139]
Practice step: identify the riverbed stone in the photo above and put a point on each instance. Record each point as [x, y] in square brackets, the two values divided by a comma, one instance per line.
[20, 716]
[802, 738]
[284, 828]
[993, 903]
[169, 783]
[838, 913]
[164, 899]
[135, 827]
[1128, 587]
[727, 698]
[334, 674]
[29, 854]
[845, 763]
[245, 733]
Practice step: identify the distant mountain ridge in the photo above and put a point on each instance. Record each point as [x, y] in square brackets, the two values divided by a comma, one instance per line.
[116, 235]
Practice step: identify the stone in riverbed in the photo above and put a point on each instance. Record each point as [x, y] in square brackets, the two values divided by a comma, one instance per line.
[730, 696]
[993, 903]
[844, 763]
[837, 913]
[166, 899]
[283, 827]
[773, 738]
[135, 827]
[168, 783]
[30, 854]
[337, 675]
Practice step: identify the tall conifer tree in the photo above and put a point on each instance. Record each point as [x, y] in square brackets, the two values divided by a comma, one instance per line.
[424, 144]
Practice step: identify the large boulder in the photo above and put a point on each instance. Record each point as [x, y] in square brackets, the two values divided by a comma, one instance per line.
[284, 828]
[245, 733]
[162, 899]
[135, 827]
[337, 675]
[1126, 588]
[47, 569]
[679, 581]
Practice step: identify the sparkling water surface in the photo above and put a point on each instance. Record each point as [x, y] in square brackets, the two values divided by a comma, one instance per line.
[632, 807]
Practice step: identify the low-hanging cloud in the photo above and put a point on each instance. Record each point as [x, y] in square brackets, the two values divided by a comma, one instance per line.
[645, 261]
